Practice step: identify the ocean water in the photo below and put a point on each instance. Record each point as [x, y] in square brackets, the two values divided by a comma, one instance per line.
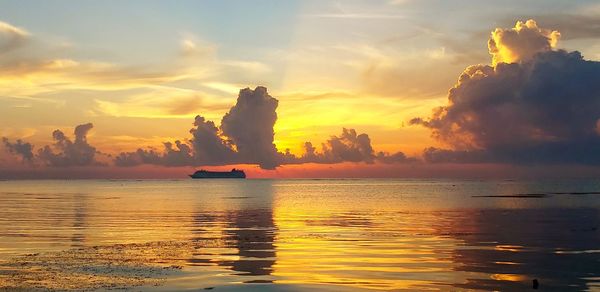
[292, 235]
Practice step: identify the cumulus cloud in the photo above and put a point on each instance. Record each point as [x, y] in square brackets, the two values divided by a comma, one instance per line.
[349, 147]
[65, 152]
[20, 148]
[542, 106]
[521, 43]
[249, 124]
[209, 147]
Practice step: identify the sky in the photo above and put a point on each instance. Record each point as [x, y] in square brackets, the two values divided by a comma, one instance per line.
[395, 88]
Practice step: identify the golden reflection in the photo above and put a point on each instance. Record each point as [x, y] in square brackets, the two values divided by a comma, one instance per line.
[327, 242]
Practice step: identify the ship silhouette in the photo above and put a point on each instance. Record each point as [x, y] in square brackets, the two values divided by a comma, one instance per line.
[234, 173]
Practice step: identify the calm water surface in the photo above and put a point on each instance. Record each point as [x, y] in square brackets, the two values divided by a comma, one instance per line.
[357, 234]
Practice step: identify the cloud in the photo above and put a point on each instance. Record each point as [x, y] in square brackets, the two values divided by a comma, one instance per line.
[31, 67]
[356, 16]
[581, 24]
[543, 107]
[178, 155]
[349, 147]
[249, 124]
[64, 152]
[437, 155]
[417, 78]
[398, 157]
[161, 103]
[521, 43]
[209, 147]
[184, 106]
[11, 37]
[192, 47]
[23, 149]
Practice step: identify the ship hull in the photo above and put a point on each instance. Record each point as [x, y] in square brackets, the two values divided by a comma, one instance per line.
[213, 175]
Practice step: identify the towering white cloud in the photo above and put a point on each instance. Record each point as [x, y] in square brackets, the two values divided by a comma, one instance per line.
[521, 43]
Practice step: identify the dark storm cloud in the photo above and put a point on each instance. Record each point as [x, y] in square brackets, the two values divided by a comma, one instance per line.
[542, 108]
[65, 152]
[20, 148]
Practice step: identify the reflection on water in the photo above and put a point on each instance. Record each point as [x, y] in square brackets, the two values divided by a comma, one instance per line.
[372, 234]
[246, 243]
[78, 237]
[559, 246]
[252, 234]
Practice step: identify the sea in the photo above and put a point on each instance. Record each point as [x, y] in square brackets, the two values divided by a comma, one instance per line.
[300, 235]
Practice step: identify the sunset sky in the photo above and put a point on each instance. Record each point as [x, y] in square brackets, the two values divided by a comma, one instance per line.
[363, 81]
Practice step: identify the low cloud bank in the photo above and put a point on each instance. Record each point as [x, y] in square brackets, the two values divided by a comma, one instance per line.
[246, 136]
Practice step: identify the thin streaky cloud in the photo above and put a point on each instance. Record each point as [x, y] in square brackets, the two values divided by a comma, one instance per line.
[30, 98]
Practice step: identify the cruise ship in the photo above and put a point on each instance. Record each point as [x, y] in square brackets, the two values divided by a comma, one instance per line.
[234, 173]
